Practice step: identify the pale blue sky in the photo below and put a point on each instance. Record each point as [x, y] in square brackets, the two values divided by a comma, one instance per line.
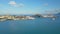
[29, 6]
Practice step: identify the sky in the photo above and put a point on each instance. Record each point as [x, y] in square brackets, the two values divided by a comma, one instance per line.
[29, 6]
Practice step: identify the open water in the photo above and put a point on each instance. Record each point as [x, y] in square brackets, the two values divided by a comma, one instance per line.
[37, 26]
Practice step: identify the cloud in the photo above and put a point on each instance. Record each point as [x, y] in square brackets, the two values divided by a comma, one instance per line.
[57, 10]
[45, 4]
[52, 11]
[13, 3]
[19, 5]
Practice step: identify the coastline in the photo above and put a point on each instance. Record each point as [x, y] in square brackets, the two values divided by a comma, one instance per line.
[32, 17]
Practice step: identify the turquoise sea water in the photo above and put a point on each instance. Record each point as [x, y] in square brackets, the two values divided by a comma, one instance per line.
[37, 26]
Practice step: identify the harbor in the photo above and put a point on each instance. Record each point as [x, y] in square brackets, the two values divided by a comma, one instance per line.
[10, 17]
[24, 17]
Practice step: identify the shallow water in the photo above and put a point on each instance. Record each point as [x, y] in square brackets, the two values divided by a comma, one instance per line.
[37, 26]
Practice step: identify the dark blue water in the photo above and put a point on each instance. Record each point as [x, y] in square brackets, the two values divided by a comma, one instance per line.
[37, 26]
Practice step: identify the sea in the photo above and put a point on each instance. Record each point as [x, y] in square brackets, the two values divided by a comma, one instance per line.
[36, 26]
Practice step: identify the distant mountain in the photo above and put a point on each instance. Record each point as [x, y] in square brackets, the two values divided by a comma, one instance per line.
[37, 15]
